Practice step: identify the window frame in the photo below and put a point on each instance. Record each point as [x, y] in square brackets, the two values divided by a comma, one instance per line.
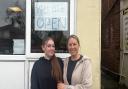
[14, 57]
[28, 29]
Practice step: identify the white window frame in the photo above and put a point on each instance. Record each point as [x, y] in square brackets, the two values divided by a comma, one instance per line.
[28, 29]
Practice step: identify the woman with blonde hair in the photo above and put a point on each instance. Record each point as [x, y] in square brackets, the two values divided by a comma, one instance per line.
[77, 73]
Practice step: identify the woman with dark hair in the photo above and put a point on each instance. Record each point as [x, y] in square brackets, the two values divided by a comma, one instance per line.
[77, 72]
[47, 71]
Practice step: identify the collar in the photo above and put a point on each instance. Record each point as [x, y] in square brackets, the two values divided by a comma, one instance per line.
[46, 57]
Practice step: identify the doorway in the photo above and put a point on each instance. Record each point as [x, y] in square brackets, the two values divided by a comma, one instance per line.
[110, 44]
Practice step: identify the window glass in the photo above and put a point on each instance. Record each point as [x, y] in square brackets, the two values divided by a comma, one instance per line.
[12, 27]
[50, 18]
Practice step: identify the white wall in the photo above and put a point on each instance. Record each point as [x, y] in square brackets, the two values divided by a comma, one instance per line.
[11, 75]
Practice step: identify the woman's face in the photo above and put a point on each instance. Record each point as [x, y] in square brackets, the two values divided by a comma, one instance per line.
[73, 46]
[49, 48]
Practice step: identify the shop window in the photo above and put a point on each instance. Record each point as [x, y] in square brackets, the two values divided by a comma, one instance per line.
[54, 18]
[12, 27]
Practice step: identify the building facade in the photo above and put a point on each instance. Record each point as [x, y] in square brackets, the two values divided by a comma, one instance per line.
[23, 24]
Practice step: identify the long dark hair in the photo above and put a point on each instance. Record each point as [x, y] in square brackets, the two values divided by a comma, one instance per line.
[56, 69]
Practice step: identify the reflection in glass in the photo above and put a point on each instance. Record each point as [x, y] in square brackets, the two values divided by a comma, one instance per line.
[12, 26]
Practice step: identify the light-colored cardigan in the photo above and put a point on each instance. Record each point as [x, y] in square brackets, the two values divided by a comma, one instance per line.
[81, 76]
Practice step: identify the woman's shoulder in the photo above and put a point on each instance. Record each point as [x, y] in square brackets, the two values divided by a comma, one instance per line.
[38, 61]
[60, 60]
[86, 59]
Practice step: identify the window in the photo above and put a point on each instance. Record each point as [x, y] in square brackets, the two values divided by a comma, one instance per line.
[12, 27]
[54, 18]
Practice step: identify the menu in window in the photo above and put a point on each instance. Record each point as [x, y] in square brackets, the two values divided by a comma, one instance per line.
[51, 16]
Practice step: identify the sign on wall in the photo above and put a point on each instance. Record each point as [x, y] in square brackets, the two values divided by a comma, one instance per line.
[51, 16]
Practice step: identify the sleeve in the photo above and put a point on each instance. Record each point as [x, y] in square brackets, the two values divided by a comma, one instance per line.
[34, 77]
[86, 78]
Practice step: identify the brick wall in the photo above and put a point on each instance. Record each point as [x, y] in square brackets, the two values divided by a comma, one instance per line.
[110, 56]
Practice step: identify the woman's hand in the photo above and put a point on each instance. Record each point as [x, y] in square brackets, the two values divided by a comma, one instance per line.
[60, 85]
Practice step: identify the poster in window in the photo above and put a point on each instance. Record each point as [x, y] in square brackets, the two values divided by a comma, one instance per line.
[51, 16]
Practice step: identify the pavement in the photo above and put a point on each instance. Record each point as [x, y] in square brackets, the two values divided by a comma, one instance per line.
[109, 82]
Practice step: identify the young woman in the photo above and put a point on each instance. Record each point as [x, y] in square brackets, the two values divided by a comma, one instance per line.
[47, 71]
[77, 68]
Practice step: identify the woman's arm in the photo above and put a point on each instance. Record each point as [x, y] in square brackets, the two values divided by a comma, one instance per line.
[34, 77]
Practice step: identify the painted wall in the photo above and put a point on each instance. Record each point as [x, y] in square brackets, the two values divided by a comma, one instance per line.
[88, 28]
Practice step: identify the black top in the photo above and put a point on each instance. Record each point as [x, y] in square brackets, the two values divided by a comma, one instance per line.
[41, 77]
[71, 66]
